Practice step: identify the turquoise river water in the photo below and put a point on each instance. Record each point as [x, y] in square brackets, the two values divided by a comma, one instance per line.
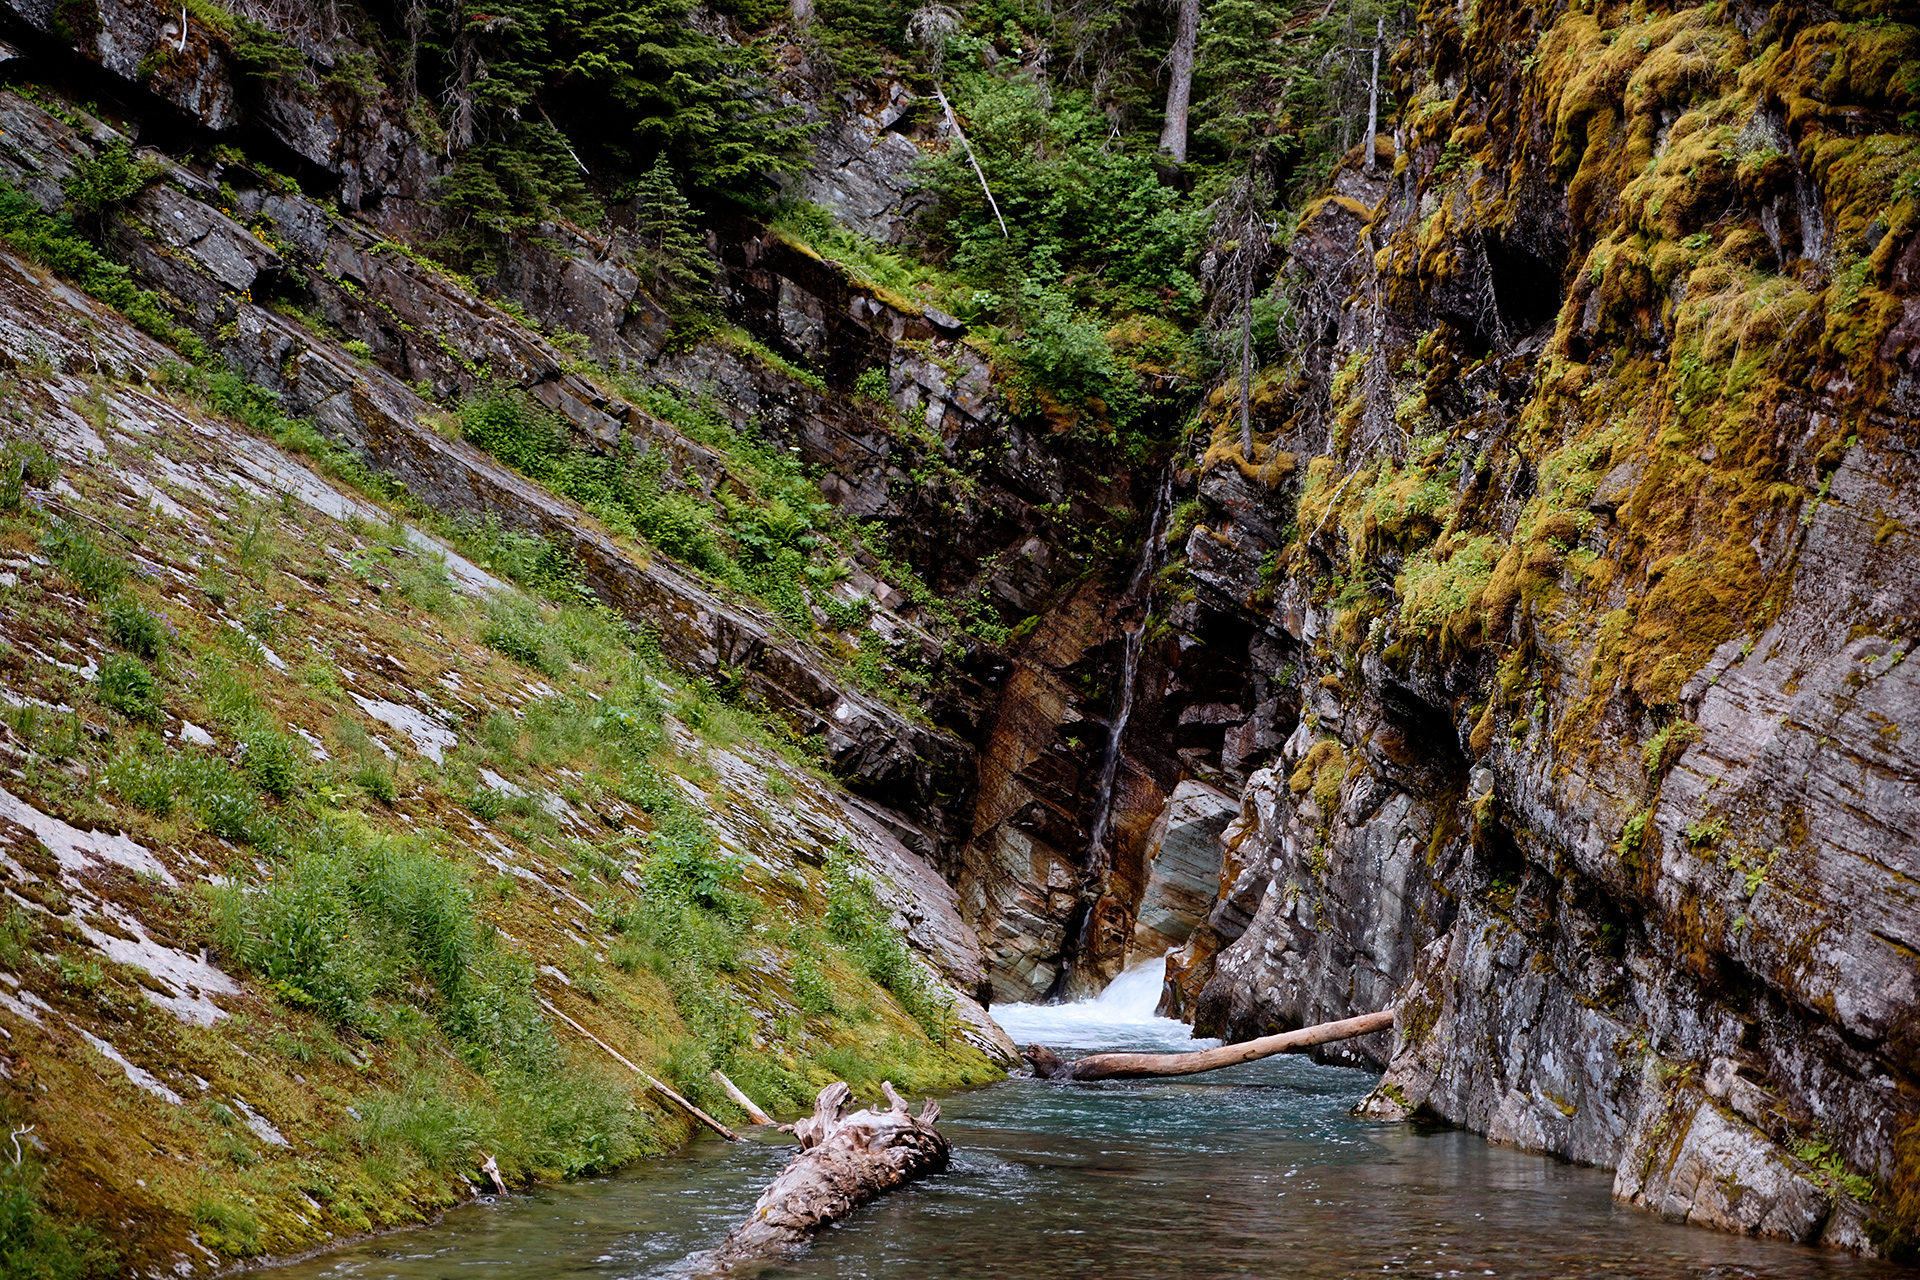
[1257, 1170]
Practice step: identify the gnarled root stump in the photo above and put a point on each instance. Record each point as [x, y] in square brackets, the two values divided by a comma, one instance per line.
[844, 1162]
[1048, 1065]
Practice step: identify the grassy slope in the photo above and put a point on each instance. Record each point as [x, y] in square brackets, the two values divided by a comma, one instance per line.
[615, 863]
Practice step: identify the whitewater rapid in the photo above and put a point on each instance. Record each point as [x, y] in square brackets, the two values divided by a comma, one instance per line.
[1121, 1017]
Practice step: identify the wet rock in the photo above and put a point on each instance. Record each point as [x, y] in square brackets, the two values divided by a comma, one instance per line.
[1689, 1161]
[1183, 859]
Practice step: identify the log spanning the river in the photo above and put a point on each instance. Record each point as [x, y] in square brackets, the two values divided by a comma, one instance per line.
[1130, 1066]
[845, 1161]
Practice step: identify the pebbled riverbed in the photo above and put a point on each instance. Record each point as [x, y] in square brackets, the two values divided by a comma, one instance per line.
[1256, 1170]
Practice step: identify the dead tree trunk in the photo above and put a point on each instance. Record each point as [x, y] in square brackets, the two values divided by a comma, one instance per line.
[1186, 38]
[1129, 1066]
[844, 1163]
[1373, 94]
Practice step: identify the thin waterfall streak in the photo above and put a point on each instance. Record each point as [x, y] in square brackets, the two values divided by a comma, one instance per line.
[1139, 587]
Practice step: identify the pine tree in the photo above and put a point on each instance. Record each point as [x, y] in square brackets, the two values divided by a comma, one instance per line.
[671, 244]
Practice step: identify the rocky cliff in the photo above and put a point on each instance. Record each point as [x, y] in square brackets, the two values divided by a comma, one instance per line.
[1572, 566]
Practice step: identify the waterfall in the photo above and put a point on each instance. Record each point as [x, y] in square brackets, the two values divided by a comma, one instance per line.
[1132, 611]
[1139, 588]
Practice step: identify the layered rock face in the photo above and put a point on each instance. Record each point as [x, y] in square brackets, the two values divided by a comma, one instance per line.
[1574, 540]
[320, 299]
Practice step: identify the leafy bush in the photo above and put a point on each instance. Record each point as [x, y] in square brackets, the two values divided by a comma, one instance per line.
[101, 183]
[127, 686]
[145, 776]
[810, 985]
[376, 780]
[514, 626]
[24, 464]
[53, 241]
[533, 562]
[273, 760]
[684, 867]
[508, 425]
[135, 628]
[350, 917]
[94, 571]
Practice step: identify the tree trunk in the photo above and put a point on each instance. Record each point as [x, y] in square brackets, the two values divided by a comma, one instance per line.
[1373, 94]
[1246, 374]
[953, 122]
[1128, 1066]
[843, 1164]
[1186, 38]
[755, 1112]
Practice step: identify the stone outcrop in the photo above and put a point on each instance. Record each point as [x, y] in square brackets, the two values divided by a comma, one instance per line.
[1577, 716]
[1541, 672]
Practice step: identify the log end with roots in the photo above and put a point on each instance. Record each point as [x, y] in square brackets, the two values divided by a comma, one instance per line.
[845, 1161]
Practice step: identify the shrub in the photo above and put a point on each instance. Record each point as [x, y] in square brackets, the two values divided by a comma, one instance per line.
[53, 241]
[145, 777]
[810, 985]
[377, 781]
[872, 383]
[96, 573]
[349, 918]
[127, 686]
[512, 428]
[24, 464]
[134, 628]
[514, 627]
[225, 801]
[98, 184]
[533, 562]
[272, 760]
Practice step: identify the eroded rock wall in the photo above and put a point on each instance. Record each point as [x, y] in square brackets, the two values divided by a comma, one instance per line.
[1574, 548]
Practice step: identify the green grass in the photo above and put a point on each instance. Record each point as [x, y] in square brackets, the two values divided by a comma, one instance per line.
[33, 1246]
[863, 927]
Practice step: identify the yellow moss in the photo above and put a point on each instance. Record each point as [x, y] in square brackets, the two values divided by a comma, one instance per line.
[1321, 771]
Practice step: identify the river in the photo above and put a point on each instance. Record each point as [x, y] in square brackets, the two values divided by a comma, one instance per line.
[1256, 1170]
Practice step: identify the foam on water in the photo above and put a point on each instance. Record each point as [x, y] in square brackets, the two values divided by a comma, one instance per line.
[1121, 1017]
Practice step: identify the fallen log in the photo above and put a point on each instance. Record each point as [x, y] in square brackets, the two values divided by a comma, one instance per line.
[1048, 1065]
[845, 1162]
[754, 1111]
[659, 1086]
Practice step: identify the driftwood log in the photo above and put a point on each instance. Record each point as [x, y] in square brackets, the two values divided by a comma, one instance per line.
[845, 1161]
[1130, 1066]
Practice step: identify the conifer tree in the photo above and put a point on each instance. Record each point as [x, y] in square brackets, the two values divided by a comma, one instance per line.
[671, 244]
